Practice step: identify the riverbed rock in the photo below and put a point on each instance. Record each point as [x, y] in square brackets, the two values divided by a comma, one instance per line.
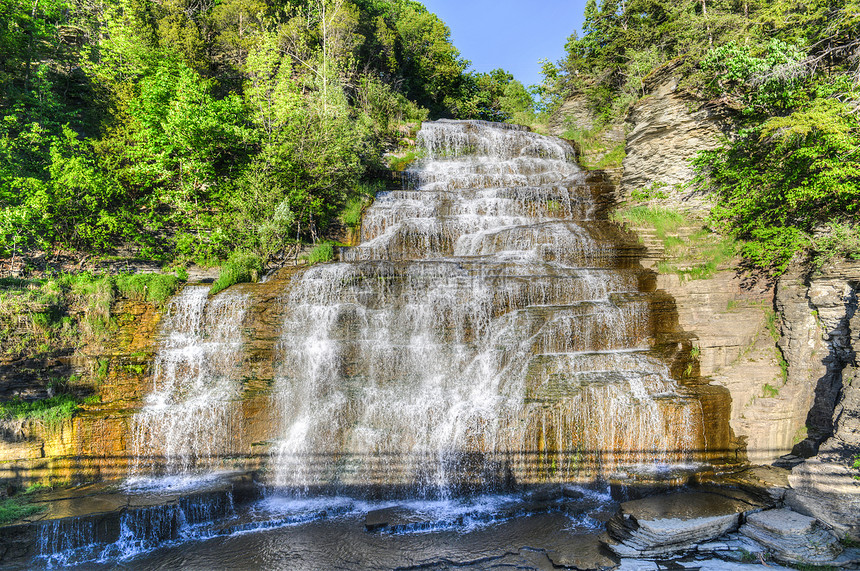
[390, 518]
[793, 537]
[825, 488]
[586, 552]
[666, 524]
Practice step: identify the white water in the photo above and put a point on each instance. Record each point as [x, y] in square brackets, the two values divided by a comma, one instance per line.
[189, 419]
[473, 335]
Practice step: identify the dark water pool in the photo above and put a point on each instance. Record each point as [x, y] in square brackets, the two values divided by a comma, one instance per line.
[485, 532]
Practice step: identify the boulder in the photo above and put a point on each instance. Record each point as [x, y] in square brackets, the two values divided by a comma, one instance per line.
[824, 487]
[583, 552]
[793, 537]
[661, 525]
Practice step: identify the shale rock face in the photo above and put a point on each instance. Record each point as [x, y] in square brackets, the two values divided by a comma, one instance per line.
[666, 128]
[821, 335]
[824, 487]
[792, 537]
[667, 524]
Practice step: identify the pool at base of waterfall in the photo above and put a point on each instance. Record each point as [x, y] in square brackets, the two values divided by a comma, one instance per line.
[200, 526]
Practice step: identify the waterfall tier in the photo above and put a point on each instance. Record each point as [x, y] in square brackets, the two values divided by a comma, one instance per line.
[491, 327]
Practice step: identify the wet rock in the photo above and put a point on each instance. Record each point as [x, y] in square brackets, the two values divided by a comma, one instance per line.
[572, 492]
[793, 537]
[671, 523]
[545, 494]
[389, 518]
[767, 484]
[583, 552]
[825, 488]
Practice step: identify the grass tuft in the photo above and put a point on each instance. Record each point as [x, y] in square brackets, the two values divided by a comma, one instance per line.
[154, 288]
[240, 267]
[322, 252]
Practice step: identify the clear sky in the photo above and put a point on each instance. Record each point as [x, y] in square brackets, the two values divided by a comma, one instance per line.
[511, 34]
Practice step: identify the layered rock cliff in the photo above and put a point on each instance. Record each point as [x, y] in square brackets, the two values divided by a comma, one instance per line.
[786, 350]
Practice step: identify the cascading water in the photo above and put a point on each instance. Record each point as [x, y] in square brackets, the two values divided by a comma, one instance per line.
[189, 419]
[491, 328]
[487, 329]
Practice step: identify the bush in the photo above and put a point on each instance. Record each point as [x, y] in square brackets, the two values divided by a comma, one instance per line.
[240, 267]
[322, 252]
[154, 288]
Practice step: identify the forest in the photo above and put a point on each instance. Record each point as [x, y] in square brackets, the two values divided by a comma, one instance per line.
[196, 131]
[786, 181]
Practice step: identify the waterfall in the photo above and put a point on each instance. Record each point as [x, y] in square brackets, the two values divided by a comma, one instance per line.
[488, 328]
[189, 420]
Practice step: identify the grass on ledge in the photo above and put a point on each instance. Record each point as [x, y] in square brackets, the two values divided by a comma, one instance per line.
[240, 267]
[52, 411]
[19, 506]
[695, 255]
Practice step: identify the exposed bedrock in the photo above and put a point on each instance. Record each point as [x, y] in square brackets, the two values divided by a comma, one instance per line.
[665, 129]
[798, 397]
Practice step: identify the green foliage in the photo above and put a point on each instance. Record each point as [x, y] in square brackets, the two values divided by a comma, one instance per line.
[51, 411]
[323, 252]
[662, 220]
[781, 180]
[692, 254]
[189, 131]
[835, 241]
[17, 507]
[769, 391]
[591, 142]
[102, 369]
[655, 191]
[762, 84]
[154, 288]
[239, 268]
[351, 213]
[400, 164]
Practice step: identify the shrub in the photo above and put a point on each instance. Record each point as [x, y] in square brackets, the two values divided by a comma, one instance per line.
[240, 267]
[154, 288]
[322, 252]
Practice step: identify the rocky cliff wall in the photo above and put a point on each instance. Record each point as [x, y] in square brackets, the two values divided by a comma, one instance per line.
[786, 351]
[821, 340]
[91, 445]
[665, 129]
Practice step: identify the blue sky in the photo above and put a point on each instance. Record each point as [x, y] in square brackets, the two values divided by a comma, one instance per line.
[511, 34]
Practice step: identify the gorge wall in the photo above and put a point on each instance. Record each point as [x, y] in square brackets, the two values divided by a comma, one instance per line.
[785, 349]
